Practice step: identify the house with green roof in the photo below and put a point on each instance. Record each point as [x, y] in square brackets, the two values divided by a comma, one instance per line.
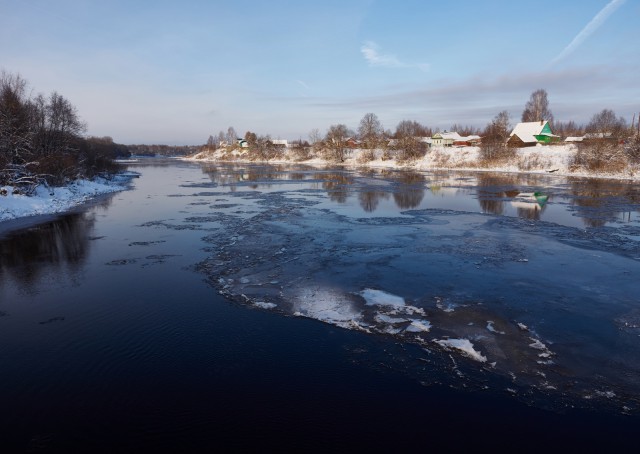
[531, 133]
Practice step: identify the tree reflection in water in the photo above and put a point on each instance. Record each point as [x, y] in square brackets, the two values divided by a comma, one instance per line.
[60, 243]
[369, 200]
[596, 201]
[494, 190]
[337, 185]
[410, 191]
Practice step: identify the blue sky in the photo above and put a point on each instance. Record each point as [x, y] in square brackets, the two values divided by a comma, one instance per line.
[177, 71]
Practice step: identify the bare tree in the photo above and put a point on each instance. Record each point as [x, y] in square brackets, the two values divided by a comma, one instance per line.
[494, 140]
[407, 140]
[41, 139]
[607, 124]
[336, 142]
[464, 130]
[211, 144]
[262, 148]
[232, 137]
[537, 108]
[370, 130]
[222, 138]
[250, 137]
[314, 136]
[15, 120]
[567, 128]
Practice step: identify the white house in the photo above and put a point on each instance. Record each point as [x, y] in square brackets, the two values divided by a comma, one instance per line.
[451, 138]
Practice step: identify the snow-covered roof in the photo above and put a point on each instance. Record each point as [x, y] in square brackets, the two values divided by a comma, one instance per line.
[451, 135]
[469, 138]
[528, 130]
[597, 135]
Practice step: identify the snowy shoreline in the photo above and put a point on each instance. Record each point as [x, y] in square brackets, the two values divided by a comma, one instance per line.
[554, 160]
[48, 201]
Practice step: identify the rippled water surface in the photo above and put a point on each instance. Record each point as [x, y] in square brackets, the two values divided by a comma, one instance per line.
[247, 305]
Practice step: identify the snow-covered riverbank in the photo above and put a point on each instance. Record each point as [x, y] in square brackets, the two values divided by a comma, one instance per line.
[57, 199]
[543, 159]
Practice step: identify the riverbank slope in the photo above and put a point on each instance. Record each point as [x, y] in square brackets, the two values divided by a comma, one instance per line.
[557, 159]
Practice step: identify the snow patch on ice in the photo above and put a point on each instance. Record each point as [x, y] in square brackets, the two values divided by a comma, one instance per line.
[418, 326]
[327, 306]
[383, 318]
[464, 346]
[264, 305]
[537, 344]
[380, 298]
[492, 329]
[445, 307]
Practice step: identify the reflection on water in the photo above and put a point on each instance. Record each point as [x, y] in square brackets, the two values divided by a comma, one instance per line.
[369, 200]
[410, 191]
[599, 202]
[337, 185]
[63, 242]
[595, 202]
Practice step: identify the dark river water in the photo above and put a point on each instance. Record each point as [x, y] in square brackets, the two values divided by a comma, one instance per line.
[265, 307]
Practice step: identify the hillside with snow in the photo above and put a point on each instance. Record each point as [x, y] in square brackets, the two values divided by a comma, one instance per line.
[555, 159]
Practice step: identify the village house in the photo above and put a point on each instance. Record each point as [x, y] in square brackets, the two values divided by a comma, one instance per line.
[531, 133]
[352, 143]
[450, 139]
[283, 143]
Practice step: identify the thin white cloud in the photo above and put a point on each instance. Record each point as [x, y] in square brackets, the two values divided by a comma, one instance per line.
[370, 52]
[302, 84]
[591, 27]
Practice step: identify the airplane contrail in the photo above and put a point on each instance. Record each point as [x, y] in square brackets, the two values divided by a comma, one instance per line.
[591, 27]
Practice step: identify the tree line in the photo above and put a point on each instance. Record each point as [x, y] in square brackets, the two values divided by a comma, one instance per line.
[406, 142]
[41, 139]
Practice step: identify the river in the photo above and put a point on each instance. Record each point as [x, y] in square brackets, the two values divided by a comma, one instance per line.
[254, 306]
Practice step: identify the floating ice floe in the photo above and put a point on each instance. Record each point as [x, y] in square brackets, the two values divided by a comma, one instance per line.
[537, 344]
[465, 346]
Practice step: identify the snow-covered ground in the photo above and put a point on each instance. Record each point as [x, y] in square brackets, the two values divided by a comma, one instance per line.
[540, 159]
[56, 199]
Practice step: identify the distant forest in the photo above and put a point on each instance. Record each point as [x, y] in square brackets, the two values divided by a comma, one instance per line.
[162, 150]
